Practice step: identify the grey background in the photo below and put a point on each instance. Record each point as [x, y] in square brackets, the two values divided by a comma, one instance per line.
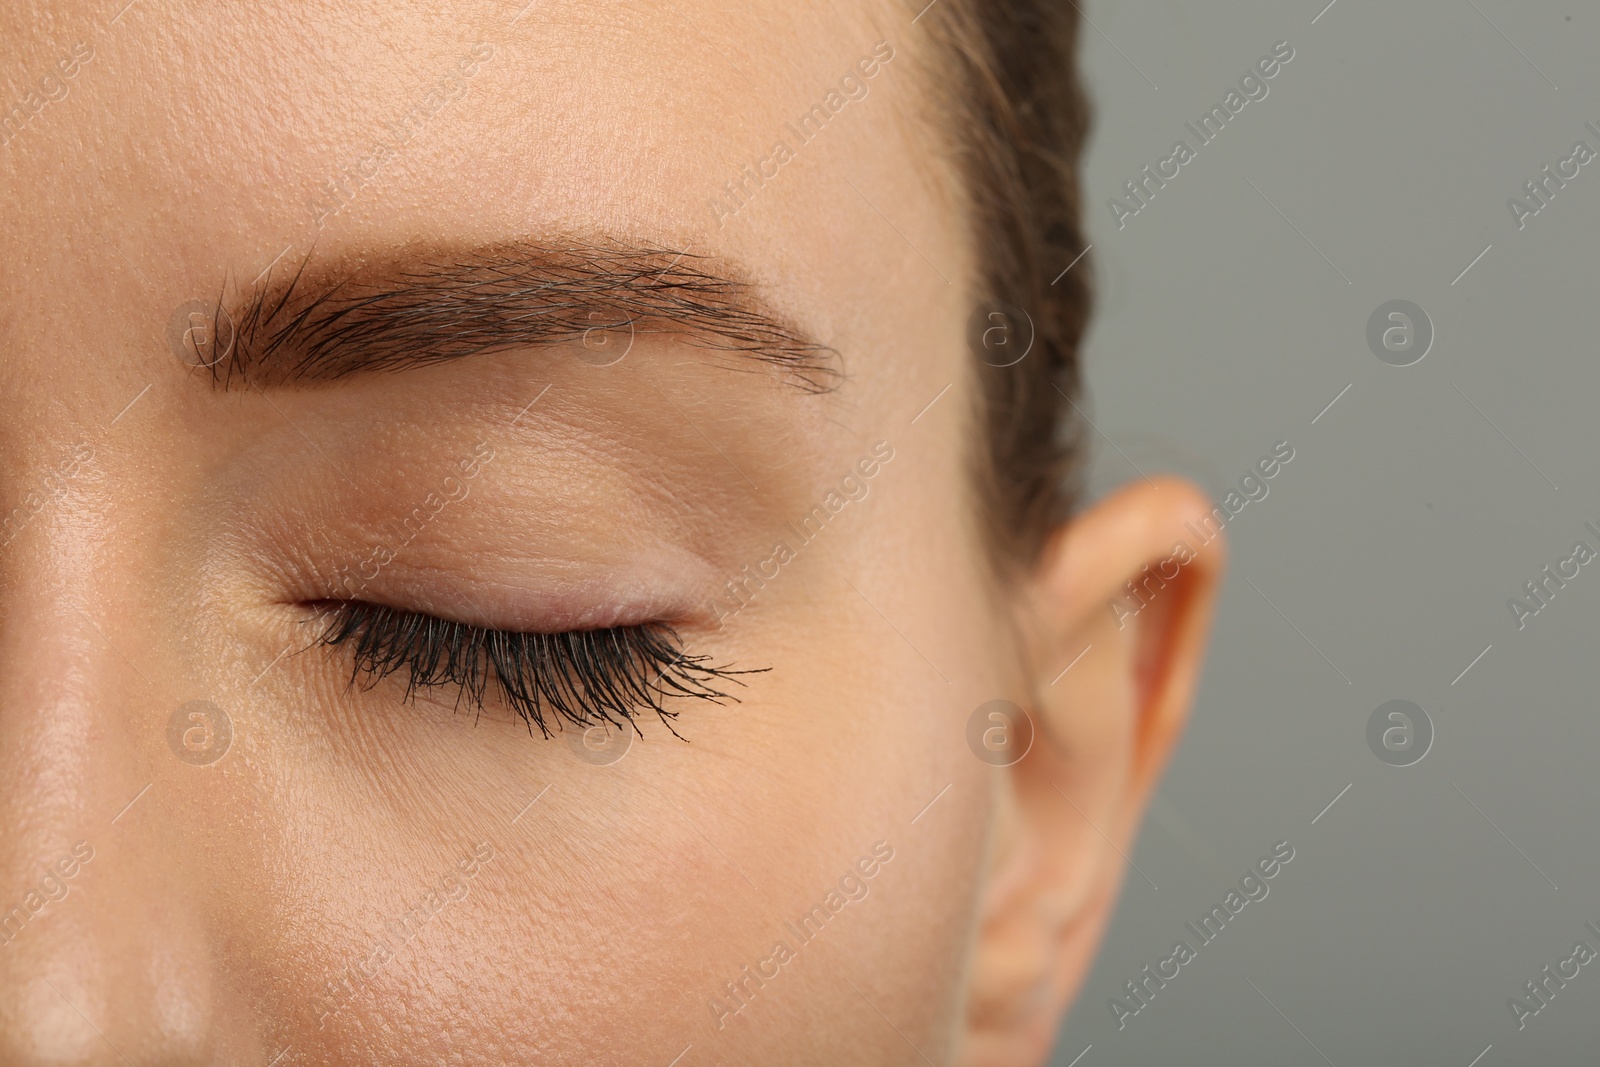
[1391, 542]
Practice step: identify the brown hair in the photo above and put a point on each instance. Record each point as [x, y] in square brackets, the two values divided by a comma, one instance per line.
[1022, 120]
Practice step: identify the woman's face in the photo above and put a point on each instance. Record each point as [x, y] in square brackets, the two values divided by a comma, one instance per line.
[227, 841]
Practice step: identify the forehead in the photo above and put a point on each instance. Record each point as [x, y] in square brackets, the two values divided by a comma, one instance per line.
[180, 144]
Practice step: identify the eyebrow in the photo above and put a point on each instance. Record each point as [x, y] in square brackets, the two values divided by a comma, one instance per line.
[325, 324]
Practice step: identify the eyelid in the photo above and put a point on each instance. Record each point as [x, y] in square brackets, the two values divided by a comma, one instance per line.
[496, 581]
[577, 677]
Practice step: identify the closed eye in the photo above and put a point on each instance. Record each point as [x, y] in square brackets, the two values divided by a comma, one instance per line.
[581, 677]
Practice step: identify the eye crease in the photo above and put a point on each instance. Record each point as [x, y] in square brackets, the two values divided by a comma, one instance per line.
[581, 677]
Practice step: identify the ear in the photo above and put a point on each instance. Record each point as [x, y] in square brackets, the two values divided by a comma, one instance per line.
[1114, 621]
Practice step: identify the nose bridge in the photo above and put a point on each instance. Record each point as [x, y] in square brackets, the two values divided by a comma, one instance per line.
[59, 730]
[98, 954]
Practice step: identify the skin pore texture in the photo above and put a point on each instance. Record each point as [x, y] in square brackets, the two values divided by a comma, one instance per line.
[363, 878]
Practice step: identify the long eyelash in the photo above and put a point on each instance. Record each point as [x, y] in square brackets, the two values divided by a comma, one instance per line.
[582, 677]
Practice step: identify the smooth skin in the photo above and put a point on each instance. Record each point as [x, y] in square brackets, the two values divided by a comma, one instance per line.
[164, 541]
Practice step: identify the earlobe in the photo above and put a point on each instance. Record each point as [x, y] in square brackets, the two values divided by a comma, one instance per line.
[1115, 618]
